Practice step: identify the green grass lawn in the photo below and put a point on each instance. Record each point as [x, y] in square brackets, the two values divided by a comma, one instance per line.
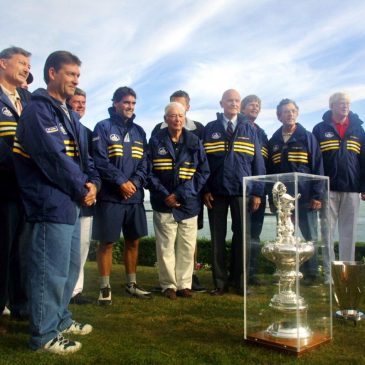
[201, 330]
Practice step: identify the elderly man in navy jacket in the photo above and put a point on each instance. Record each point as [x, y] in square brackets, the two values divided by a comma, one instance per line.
[179, 170]
[56, 176]
[233, 151]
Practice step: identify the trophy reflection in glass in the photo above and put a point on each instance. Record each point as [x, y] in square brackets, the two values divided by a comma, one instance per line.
[287, 252]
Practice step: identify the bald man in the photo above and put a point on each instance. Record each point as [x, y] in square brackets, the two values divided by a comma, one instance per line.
[230, 160]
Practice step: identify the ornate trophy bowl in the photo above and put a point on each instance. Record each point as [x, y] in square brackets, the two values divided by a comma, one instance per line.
[286, 252]
[287, 301]
[349, 288]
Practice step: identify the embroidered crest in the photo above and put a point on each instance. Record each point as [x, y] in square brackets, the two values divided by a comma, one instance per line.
[276, 148]
[216, 135]
[162, 151]
[329, 134]
[114, 137]
[62, 128]
[6, 111]
[51, 129]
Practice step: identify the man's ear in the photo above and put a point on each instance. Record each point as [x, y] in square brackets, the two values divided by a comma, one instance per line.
[52, 73]
[3, 63]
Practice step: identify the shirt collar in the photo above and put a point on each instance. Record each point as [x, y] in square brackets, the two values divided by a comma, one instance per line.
[226, 120]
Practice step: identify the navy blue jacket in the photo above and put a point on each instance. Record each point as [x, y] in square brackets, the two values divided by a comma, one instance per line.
[343, 159]
[231, 160]
[184, 175]
[119, 152]
[8, 122]
[51, 161]
[300, 153]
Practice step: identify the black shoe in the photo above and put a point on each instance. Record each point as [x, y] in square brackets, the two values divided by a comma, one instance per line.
[254, 281]
[195, 285]
[80, 299]
[309, 280]
[218, 292]
[19, 316]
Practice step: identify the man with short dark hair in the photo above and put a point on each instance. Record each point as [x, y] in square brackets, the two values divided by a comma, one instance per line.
[56, 177]
[14, 70]
[119, 152]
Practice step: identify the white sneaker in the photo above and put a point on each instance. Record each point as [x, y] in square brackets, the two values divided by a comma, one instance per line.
[78, 328]
[6, 312]
[61, 346]
[136, 291]
[105, 296]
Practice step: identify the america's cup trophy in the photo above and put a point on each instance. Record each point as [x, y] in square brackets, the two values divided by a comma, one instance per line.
[287, 252]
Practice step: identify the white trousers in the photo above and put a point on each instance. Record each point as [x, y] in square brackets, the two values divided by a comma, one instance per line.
[175, 247]
[344, 211]
[85, 236]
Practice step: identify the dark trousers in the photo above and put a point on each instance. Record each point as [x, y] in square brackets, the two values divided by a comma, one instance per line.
[218, 230]
[13, 242]
[257, 220]
[308, 224]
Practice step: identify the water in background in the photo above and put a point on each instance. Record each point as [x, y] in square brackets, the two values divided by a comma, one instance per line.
[267, 233]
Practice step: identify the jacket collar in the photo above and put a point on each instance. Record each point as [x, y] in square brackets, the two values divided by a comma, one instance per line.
[118, 118]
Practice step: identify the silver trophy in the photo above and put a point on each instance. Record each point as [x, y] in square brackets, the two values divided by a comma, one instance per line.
[349, 288]
[287, 252]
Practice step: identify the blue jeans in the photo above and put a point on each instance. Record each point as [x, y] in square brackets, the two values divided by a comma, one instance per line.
[53, 268]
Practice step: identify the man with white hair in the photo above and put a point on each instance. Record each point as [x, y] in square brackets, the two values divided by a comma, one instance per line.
[341, 139]
[179, 171]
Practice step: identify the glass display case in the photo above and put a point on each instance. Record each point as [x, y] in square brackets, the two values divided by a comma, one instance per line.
[287, 272]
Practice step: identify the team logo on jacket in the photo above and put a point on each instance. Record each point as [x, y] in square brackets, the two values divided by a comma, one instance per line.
[51, 129]
[114, 137]
[6, 111]
[329, 134]
[276, 148]
[216, 135]
[62, 128]
[162, 151]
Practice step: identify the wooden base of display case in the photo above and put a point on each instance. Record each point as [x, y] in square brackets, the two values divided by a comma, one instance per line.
[289, 345]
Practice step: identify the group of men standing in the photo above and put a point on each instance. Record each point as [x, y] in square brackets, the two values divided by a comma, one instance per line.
[52, 167]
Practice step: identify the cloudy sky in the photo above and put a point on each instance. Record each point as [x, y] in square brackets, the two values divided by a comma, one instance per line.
[304, 50]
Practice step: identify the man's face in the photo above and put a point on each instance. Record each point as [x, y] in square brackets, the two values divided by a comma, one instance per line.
[251, 110]
[341, 108]
[182, 101]
[175, 119]
[288, 115]
[231, 102]
[65, 80]
[16, 69]
[125, 107]
[78, 104]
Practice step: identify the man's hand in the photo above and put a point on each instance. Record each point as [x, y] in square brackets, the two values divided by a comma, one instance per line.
[172, 202]
[208, 199]
[255, 203]
[90, 197]
[316, 204]
[127, 189]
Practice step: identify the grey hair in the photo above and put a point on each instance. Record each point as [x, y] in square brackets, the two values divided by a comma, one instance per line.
[334, 98]
[7, 53]
[174, 104]
[285, 102]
